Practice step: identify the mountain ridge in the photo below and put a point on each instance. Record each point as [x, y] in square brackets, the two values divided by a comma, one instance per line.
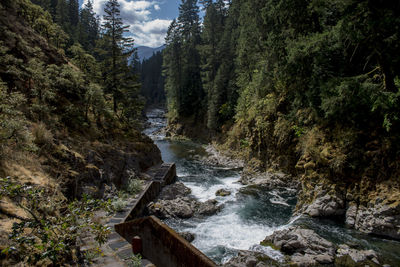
[145, 52]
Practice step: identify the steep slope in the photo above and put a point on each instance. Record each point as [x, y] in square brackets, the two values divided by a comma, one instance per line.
[57, 130]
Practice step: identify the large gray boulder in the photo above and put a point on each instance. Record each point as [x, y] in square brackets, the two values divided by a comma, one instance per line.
[208, 208]
[174, 191]
[326, 204]
[304, 246]
[380, 219]
[183, 207]
[252, 259]
[350, 256]
[176, 208]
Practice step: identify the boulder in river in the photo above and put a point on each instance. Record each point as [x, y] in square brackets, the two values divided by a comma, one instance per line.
[187, 236]
[252, 259]
[222, 192]
[174, 191]
[377, 218]
[183, 207]
[347, 256]
[304, 246]
[208, 208]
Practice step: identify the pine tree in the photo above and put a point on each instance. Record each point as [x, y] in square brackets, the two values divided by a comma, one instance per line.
[172, 68]
[213, 28]
[191, 91]
[115, 50]
[88, 27]
[73, 7]
[152, 80]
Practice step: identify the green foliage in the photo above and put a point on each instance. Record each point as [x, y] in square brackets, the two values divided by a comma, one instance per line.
[152, 80]
[49, 234]
[135, 261]
[13, 131]
[114, 50]
[279, 68]
[182, 64]
[118, 205]
[135, 186]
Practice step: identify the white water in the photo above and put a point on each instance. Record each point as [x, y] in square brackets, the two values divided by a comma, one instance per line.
[245, 220]
[241, 224]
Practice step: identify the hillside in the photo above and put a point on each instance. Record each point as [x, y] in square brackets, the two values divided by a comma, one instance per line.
[65, 139]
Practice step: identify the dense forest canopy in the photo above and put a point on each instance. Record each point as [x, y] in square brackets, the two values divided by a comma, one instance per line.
[289, 78]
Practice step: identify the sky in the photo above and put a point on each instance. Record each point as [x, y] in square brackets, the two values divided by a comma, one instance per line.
[148, 19]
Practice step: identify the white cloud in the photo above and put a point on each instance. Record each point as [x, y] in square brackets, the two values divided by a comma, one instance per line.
[151, 33]
[137, 14]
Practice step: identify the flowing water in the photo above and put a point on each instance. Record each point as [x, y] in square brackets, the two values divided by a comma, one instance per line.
[245, 219]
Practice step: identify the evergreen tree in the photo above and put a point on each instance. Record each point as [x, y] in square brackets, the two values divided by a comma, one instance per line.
[88, 27]
[172, 68]
[210, 50]
[115, 50]
[152, 79]
[190, 95]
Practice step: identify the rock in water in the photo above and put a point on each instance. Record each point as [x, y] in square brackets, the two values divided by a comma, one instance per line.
[174, 191]
[208, 208]
[347, 256]
[252, 259]
[305, 247]
[188, 236]
[180, 208]
[183, 207]
[222, 193]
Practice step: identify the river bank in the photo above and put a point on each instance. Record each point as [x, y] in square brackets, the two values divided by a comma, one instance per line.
[256, 203]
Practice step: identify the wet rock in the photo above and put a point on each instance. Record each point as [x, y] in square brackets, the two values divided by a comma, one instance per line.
[347, 256]
[304, 246]
[351, 214]
[381, 219]
[176, 208]
[250, 190]
[326, 206]
[208, 208]
[217, 157]
[252, 259]
[321, 200]
[183, 207]
[222, 193]
[188, 236]
[174, 191]
[269, 180]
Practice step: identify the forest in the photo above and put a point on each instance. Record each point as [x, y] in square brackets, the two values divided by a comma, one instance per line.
[288, 82]
[307, 87]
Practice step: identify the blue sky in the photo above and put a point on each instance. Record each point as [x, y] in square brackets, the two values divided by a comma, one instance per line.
[148, 19]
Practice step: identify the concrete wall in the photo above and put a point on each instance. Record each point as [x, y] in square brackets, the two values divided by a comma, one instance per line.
[164, 176]
[149, 193]
[162, 245]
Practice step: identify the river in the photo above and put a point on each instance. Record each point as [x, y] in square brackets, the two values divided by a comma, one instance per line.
[245, 220]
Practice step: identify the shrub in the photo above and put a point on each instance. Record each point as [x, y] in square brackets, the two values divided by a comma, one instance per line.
[49, 236]
[13, 130]
[118, 205]
[135, 261]
[134, 186]
[42, 136]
